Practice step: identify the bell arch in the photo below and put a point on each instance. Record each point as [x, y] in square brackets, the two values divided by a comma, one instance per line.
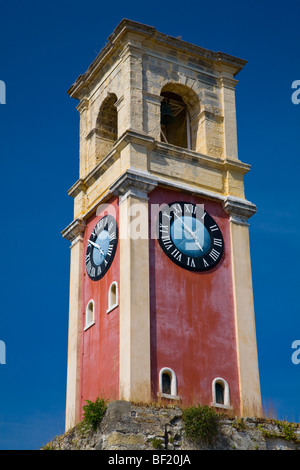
[180, 109]
[107, 126]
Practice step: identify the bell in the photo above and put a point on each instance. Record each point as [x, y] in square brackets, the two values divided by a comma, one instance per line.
[166, 116]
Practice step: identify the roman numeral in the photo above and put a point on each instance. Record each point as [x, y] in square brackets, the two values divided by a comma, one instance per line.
[191, 262]
[163, 228]
[188, 207]
[167, 215]
[112, 236]
[205, 263]
[167, 242]
[89, 267]
[213, 228]
[177, 208]
[109, 251]
[176, 253]
[99, 226]
[214, 254]
[218, 242]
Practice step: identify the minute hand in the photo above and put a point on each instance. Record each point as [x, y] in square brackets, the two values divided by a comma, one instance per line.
[187, 228]
[97, 246]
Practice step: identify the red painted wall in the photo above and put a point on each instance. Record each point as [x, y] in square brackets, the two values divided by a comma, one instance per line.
[192, 316]
[100, 343]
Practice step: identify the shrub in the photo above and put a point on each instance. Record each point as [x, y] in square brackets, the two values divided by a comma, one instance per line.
[94, 412]
[201, 423]
[156, 443]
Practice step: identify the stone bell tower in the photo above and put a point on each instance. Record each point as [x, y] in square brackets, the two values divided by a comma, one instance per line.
[154, 316]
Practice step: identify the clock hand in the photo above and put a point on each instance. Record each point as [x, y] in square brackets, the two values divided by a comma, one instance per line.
[97, 246]
[189, 231]
[197, 243]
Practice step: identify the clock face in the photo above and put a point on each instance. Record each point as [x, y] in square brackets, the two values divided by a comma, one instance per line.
[189, 236]
[101, 247]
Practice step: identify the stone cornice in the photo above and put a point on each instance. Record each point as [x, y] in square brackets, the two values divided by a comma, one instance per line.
[139, 184]
[77, 188]
[74, 230]
[215, 59]
[136, 181]
[167, 150]
[221, 164]
[240, 210]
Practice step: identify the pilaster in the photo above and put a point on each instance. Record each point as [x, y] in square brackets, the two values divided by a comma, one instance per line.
[229, 110]
[134, 347]
[74, 233]
[133, 76]
[83, 109]
[249, 384]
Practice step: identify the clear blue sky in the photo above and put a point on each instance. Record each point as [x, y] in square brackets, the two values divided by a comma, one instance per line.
[43, 49]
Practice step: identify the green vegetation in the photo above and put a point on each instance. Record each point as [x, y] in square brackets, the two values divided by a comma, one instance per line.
[287, 431]
[239, 424]
[156, 443]
[201, 423]
[94, 412]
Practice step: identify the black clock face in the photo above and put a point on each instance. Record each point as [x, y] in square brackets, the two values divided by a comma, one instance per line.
[189, 236]
[101, 247]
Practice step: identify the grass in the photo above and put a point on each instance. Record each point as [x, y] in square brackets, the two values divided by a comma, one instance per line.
[201, 423]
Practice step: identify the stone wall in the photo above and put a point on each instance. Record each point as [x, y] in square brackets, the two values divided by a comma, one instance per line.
[127, 426]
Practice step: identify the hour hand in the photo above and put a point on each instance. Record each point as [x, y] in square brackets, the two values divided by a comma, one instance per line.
[187, 228]
[96, 246]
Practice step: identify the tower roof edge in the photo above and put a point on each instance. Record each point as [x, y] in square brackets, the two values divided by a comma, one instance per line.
[125, 26]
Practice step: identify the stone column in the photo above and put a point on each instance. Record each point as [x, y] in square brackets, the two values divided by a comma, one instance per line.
[229, 110]
[132, 75]
[151, 115]
[83, 109]
[74, 233]
[135, 370]
[250, 397]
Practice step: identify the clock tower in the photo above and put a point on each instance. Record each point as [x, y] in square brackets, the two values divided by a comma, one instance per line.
[161, 301]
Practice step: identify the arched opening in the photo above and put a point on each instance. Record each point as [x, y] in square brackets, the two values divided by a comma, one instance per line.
[89, 314]
[220, 393]
[180, 108]
[107, 125]
[113, 296]
[167, 383]
[175, 121]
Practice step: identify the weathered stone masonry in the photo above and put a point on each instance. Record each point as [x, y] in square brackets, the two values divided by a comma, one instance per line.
[127, 426]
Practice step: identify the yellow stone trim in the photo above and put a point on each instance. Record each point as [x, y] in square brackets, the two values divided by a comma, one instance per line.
[134, 359]
[249, 383]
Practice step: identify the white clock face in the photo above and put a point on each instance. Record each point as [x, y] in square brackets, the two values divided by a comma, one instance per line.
[190, 237]
[101, 247]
